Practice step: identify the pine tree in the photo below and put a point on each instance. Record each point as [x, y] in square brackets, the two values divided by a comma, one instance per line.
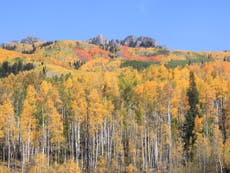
[188, 128]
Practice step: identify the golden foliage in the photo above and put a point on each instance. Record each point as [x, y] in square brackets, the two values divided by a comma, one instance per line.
[40, 164]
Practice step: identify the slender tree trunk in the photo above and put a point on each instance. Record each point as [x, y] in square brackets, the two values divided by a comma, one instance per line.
[97, 146]
[220, 162]
[87, 138]
[48, 148]
[43, 131]
[78, 140]
[156, 151]
[23, 159]
[143, 153]
[28, 142]
[170, 137]
[102, 141]
[73, 149]
[9, 151]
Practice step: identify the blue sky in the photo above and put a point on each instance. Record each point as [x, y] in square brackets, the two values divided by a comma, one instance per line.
[179, 24]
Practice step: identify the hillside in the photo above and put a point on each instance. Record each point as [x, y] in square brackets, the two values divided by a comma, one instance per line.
[131, 51]
[113, 106]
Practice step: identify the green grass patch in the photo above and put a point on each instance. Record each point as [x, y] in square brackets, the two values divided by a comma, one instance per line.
[189, 61]
[139, 65]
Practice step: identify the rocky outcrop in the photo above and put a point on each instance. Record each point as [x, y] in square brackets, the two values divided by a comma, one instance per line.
[99, 40]
[130, 41]
[114, 43]
[133, 41]
[30, 40]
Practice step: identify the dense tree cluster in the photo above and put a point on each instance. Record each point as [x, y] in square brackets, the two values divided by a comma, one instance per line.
[6, 69]
[78, 64]
[158, 119]
[139, 65]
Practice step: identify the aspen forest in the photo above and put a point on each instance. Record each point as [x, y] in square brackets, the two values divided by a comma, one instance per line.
[78, 107]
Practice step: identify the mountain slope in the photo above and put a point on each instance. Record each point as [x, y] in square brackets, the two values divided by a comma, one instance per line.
[71, 106]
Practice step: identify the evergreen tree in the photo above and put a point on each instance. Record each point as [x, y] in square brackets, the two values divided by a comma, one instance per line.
[188, 128]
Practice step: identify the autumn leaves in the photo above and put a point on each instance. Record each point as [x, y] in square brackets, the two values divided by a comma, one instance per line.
[122, 120]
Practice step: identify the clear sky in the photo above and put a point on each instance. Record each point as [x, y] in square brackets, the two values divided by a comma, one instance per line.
[178, 24]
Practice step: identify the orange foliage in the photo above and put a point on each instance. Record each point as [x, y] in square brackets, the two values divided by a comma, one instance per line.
[98, 52]
[82, 54]
[131, 56]
[86, 55]
[6, 55]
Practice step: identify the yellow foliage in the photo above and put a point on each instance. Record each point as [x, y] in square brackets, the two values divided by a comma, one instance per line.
[110, 84]
[27, 119]
[68, 167]
[56, 126]
[98, 64]
[97, 109]
[101, 166]
[131, 168]
[8, 124]
[79, 104]
[44, 89]
[4, 169]
[198, 125]
[227, 153]
[8, 55]
[40, 164]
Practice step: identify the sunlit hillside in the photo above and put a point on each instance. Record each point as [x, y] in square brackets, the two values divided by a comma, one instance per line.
[75, 106]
